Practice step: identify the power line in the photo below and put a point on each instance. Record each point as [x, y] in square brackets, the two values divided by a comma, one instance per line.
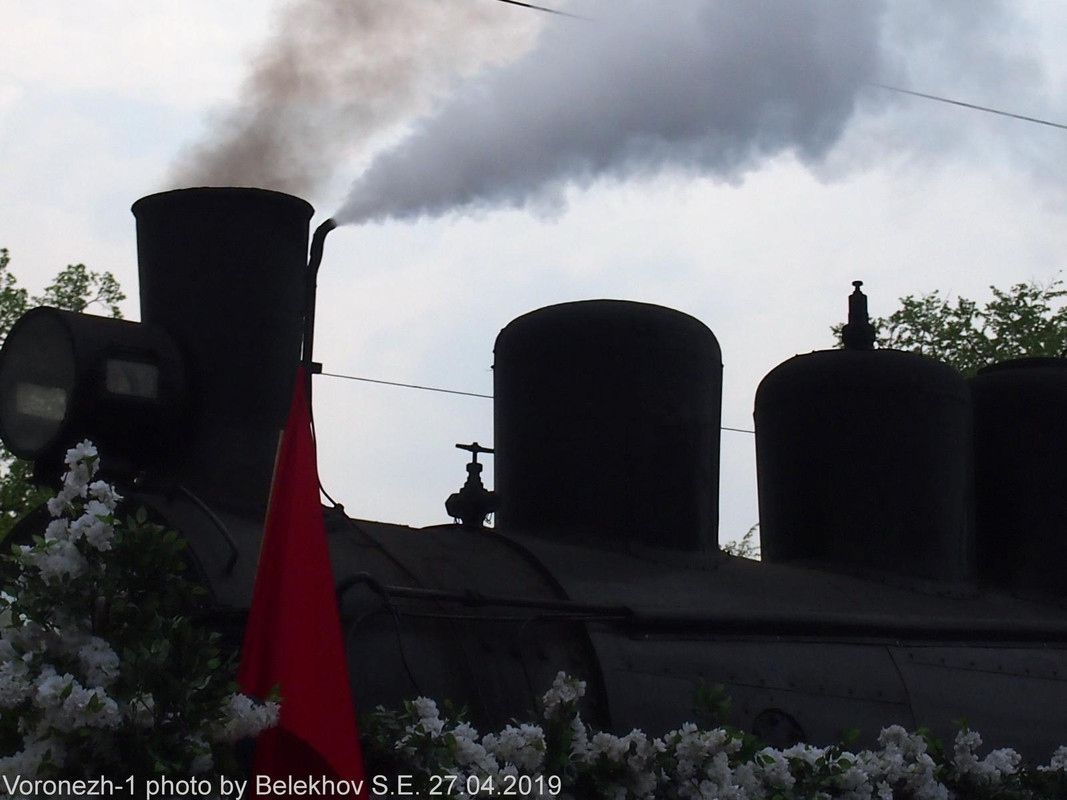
[970, 105]
[735, 430]
[452, 391]
[407, 385]
[543, 8]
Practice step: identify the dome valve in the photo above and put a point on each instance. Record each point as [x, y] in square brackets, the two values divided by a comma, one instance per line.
[473, 503]
[858, 334]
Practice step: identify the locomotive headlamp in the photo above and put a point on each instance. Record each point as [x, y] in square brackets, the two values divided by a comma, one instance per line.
[36, 382]
[67, 376]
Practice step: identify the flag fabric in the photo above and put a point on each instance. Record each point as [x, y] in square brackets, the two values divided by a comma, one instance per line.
[293, 637]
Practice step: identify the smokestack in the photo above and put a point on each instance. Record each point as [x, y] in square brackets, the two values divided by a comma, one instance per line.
[223, 271]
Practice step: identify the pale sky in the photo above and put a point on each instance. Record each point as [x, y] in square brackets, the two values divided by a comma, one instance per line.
[755, 227]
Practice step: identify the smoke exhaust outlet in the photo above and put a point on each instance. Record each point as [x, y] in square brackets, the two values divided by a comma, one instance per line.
[224, 272]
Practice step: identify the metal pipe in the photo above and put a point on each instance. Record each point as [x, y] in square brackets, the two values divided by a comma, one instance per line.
[314, 262]
[811, 624]
[851, 626]
[477, 599]
[231, 562]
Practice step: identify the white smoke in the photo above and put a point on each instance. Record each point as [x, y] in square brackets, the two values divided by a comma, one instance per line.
[700, 86]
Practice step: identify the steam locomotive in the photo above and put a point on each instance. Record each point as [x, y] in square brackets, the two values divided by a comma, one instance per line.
[913, 523]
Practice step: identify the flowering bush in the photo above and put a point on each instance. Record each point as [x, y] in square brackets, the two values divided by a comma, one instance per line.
[562, 757]
[103, 670]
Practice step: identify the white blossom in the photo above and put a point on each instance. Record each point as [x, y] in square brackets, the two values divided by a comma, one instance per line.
[243, 717]
[68, 705]
[55, 560]
[523, 746]
[203, 760]
[15, 683]
[50, 687]
[425, 708]
[99, 662]
[432, 725]
[855, 783]
[105, 493]
[774, 770]
[140, 710]
[97, 532]
[804, 752]
[469, 752]
[694, 763]
[94, 525]
[992, 768]
[6, 621]
[749, 781]
[57, 530]
[565, 691]
[606, 745]
[82, 465]
[60, 504]
[579, 737]
[1002, 761]
[80, 453]
[26, 762]
[56, 675]
[30, 637]
[1058, 760]
[90, 708]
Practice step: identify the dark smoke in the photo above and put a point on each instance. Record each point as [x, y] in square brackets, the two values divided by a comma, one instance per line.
[338, 75]
[701, 86]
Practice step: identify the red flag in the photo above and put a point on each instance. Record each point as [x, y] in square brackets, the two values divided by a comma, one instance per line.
[293, 639]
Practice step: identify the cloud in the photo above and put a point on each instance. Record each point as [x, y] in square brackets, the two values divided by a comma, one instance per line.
[128, 50]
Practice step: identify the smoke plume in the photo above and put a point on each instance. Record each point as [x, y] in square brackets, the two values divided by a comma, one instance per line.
[700, 86]
[337, 76]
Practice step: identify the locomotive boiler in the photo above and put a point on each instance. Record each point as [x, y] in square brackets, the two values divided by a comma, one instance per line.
[913, 522]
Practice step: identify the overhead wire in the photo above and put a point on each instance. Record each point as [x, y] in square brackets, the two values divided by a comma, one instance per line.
[451, 391]
[973, 106]
[406, 385]
[543, 8]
